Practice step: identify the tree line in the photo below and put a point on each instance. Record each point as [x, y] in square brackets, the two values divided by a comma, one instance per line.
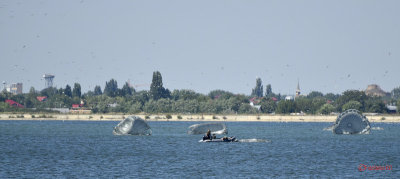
[161, 100]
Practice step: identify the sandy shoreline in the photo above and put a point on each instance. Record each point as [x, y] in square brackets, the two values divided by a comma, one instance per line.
[197, 117]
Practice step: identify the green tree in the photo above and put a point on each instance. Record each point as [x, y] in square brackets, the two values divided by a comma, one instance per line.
[135, 108]
[317, 103]
[97, 90]
[267, 105]
[67, 91]
[351, 95]
[398, 106]
[49, 92]
[76, 92]
[258, 90]
[315, 94]
[268, 91]
[352, 105]
[184, 94]
[111, 88]
[304, 104]
[286, 107]
[126, 90]
[141, 96]
[326, 109]
[220, 94]
[186, 106]
[374, 105]
[395, 93]
[157, 91]
[32, 90]
[150, 107]
[332, 97]
[4, 107]
[246, 108]
[236, 102]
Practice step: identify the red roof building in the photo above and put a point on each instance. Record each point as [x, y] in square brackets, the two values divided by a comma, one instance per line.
[14, 104]
[77, 105]
[41, 98]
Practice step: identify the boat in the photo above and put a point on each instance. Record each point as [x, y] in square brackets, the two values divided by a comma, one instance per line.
[222, 139]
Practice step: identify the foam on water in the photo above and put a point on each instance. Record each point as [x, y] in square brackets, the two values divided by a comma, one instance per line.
[253, 140]
[377, 128]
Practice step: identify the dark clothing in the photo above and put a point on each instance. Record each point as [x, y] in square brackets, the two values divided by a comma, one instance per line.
[208, 135]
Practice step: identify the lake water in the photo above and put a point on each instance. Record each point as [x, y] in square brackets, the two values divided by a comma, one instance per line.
[82, 149]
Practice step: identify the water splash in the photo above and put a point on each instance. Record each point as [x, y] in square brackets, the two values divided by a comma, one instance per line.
[216, 128]
[254, 140]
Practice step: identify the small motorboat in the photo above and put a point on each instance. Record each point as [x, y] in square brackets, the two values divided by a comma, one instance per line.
[222, 139]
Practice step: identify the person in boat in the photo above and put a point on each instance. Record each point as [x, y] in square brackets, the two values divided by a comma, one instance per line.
[208, 134]
[224, 138]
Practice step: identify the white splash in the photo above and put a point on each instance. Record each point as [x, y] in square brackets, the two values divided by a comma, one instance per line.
[254, 140]
[377, 128]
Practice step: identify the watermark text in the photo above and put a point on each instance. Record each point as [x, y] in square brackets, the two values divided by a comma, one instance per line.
[363, 167]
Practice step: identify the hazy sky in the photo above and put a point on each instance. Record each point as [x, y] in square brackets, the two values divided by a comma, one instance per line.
[329, 46]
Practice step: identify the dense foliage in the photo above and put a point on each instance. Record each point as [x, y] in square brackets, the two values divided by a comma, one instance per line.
[160, 100]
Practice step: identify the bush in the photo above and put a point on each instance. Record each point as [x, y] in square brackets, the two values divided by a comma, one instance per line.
[224, 117]
[168, 116]
[179, 117]
[214, 117]
[326, 109]
[147, 117]
[352, 105]
[45, 116]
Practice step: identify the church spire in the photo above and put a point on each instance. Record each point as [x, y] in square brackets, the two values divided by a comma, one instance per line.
[298, 89]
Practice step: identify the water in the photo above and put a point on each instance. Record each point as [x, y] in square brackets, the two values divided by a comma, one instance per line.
[79, 149]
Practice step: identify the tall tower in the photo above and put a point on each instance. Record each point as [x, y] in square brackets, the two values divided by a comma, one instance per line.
[48, 80]
[298, 89]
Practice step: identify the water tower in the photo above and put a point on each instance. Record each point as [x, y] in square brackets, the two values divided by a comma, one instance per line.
[48, 80]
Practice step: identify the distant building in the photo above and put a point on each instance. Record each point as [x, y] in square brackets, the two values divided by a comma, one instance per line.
[254, 103]
[298, 89]
[15, 88]
[14, 104]
[113, 105]
[76, 106]
[41, 98]
[391, 109]
[375, 90]
[289, 98]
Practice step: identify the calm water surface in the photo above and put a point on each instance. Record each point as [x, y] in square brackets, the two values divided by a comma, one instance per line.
[81, 149]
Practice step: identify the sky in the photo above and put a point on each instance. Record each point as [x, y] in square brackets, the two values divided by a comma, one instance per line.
[326, 46]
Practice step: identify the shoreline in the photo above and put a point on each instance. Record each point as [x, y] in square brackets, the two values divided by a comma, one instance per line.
[196, 117]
